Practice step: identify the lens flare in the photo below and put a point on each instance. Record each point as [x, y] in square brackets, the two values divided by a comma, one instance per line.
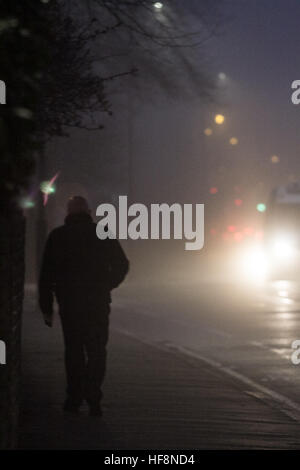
[47, 187]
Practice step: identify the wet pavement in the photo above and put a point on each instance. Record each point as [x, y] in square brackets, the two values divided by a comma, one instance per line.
[161, 392]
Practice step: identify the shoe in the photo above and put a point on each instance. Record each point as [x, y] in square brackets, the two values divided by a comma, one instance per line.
[70, 407]
[95, 410]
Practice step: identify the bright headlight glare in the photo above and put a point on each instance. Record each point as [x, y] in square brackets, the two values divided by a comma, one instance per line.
[283, 247]
[254, 265]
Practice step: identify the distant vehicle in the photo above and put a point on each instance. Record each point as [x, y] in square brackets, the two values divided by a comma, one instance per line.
[282, 232]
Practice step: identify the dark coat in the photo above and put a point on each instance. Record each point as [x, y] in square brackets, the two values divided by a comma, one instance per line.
[76, 262]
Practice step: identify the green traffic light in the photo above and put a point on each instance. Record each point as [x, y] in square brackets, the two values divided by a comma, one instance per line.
[261, 207]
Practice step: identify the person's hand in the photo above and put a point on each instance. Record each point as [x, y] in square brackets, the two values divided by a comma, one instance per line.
[48, 319]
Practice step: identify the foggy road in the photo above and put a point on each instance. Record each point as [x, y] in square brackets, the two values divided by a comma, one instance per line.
[150, 216]
[224, 358]
[245, 332]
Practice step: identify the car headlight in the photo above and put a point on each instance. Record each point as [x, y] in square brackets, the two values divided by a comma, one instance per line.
[254, 264]
[283, 247]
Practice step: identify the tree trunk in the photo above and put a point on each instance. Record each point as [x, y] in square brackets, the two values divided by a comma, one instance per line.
[12, 242]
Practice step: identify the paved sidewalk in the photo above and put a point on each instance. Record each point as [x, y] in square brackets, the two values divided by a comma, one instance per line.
[153, 400]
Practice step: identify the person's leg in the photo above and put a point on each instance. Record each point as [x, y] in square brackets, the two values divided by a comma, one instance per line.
[74, 362]
[95, 343]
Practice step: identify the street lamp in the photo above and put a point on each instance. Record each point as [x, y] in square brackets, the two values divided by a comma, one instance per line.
[208, 131]
[233, 141]
[275, 159]
[219, 119]
[158, 5]
[222, 76]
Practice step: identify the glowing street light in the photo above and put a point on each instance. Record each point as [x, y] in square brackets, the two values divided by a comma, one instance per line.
[219, 119]
[233, 141]
[275, 159]
[208, 131]
[158, 5]
[222, 76]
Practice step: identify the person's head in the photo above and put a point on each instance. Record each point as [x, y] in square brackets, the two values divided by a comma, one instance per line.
[78, 204]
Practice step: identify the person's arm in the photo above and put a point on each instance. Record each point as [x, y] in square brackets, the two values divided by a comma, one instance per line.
[46, 282]
[119, 264]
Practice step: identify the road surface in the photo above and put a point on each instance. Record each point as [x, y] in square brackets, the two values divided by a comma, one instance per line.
[245, 331]
[215, 346]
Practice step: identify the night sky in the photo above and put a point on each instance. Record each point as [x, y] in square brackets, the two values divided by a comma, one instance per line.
[260, 53]
[172, 160]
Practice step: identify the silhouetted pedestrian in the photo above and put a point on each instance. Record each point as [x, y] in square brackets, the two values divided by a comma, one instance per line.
[81, 270]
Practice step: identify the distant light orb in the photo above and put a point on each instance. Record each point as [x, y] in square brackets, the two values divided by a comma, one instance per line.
[27, 203]
[248, 231]
[233, 141]
[213, 190]
[208, 131]
[47, 188]
[238, 202]
[158, 5]
[219, 119]
[238, 236]
[275, 159]
[222, 76]
[261, 207]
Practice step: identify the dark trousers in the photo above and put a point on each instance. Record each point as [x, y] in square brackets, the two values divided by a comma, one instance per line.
[85, 328]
